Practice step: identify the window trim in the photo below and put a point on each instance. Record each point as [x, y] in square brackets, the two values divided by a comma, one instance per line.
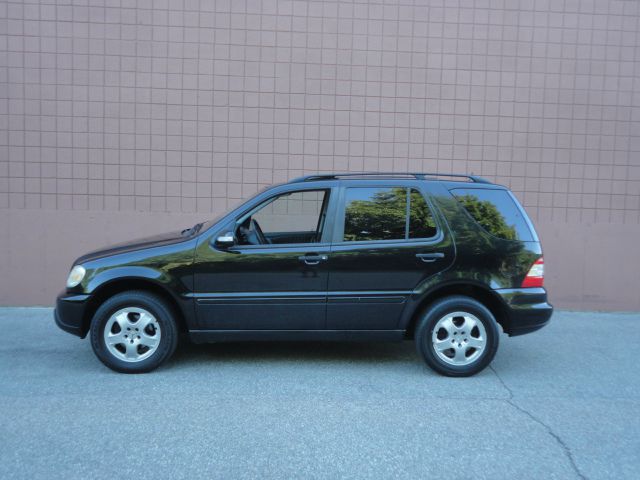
[322, 218]
[276, 246]
[407, 214]
[338, 230]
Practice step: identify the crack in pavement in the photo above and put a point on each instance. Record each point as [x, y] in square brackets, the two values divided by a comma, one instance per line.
[556, 437]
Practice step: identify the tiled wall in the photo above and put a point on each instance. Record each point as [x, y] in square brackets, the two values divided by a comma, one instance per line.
[189, 106]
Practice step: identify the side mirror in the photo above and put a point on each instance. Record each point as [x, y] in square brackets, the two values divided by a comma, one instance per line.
[225, 241]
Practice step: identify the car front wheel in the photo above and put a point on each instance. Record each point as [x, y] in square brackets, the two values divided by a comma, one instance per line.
[133, 332]
[457, 336]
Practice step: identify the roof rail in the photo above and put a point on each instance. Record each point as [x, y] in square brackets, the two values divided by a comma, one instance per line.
[416, 175]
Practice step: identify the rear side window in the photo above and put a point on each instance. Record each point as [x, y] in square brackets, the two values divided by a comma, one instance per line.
[386, 214]
[495, 211]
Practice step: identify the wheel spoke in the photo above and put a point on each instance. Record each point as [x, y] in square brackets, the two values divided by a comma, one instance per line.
[469, 324]
[460, 355]
[442, 345]
[132, 350]
[148, 340]
[476, 343]
[122, 319]
[448, 325]
[144, 321]
[115, 339]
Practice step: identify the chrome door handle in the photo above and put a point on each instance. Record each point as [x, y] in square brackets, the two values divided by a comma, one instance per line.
[430, 257]
[312, 259]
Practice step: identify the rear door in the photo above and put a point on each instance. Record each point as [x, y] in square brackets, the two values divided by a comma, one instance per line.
[387, 240]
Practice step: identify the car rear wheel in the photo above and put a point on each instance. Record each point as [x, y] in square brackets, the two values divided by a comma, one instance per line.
[457, 336]
[133, 332]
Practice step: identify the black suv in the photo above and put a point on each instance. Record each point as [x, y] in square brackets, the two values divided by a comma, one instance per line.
[441, 259]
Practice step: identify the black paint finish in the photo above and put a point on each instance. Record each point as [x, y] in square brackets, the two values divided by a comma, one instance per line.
[327, 290]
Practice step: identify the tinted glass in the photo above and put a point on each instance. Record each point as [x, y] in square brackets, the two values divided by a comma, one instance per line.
[496, 211]
[421, 223]
[291, 218]
[381, 214]
[292, 212]
[375, 214]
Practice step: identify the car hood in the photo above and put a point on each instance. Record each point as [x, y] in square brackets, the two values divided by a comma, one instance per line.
[139, 244]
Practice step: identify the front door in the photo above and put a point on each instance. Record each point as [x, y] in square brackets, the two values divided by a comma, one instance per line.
[275, 275]
[387, 240]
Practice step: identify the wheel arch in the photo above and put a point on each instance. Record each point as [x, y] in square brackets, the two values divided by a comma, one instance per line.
[478, 292]
[123, 284]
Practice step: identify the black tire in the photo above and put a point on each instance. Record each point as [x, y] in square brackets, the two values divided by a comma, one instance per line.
[440, 309]
[153, 304]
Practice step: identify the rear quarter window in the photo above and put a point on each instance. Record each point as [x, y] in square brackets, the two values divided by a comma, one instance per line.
[495, 211]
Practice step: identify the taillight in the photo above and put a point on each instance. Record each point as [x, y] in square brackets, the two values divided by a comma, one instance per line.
[535, 277]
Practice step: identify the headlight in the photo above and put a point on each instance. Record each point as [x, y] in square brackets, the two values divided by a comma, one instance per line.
[75, 276]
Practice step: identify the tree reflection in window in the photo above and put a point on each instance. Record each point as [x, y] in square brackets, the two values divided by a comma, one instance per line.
[488, 216]
[381, 214]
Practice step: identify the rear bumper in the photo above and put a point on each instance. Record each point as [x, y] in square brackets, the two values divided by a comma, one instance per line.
[69, 313]
[526, 309]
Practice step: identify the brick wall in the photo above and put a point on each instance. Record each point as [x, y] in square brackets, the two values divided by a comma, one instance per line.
[158, 113]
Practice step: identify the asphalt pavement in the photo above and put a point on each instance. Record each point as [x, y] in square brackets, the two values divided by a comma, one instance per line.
[563, 403]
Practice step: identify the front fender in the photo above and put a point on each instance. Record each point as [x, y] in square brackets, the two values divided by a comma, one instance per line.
[123, 278]
[102, 277]
[142, 277]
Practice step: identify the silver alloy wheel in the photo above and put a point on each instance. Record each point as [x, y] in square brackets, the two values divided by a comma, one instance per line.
[459, 338]
[132, 334]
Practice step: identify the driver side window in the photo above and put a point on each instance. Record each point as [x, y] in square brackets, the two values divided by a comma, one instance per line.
[294, 217]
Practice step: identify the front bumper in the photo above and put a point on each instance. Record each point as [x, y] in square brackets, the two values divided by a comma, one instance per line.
[526, 309]
[70, 312]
